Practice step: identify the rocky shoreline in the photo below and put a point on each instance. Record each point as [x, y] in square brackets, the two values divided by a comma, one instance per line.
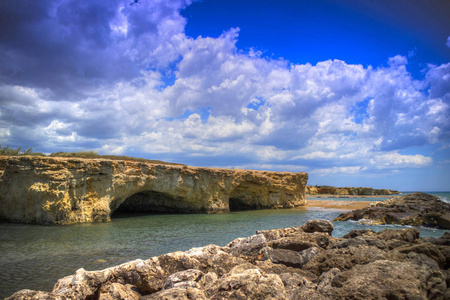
[304, 262]
[416, 209]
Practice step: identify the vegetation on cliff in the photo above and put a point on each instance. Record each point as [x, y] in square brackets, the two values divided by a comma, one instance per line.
[7, 151]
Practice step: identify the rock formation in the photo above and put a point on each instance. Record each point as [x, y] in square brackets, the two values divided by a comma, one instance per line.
[48, 190]
[303, 262]
[357, 191]
[416, 209]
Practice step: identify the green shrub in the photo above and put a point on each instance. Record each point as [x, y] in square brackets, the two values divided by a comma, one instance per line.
[14, 152]
[79, 154]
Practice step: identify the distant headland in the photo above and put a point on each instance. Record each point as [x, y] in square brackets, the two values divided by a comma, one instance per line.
[344, 191]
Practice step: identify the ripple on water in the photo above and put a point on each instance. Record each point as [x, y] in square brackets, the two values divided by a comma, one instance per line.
[35, 257]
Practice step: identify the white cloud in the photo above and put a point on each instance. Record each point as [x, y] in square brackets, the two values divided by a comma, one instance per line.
[396, 160]
[337, 170]
[397, 60]
[203, 97]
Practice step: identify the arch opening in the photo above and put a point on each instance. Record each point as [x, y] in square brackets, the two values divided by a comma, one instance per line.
[246, 196]
[239, 204]
[151, 202]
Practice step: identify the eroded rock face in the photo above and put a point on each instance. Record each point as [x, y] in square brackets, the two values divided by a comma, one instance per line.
[391, 264]
[48, 190]
[416, 209]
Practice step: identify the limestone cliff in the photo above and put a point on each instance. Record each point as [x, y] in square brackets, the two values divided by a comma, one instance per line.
[46, 190]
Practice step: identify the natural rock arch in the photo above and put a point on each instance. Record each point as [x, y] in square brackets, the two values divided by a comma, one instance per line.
[47, 190]
[153, 202]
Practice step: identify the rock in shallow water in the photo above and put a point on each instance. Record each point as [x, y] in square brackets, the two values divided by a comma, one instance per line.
[416, 209]
[277, 264]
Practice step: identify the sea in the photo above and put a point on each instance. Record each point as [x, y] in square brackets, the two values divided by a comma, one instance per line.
[35, 257]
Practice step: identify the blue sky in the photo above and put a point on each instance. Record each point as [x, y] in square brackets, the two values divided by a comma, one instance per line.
[356, 93]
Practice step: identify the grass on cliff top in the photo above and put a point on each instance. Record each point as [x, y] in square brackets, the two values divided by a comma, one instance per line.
[6, 151]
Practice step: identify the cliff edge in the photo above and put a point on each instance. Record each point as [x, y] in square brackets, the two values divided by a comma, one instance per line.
[50, 190]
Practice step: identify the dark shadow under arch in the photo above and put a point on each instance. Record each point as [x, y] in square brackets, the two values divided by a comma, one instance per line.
[246, 196]
[151, 202]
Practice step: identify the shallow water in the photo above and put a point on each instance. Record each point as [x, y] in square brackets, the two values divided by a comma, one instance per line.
[35, 257]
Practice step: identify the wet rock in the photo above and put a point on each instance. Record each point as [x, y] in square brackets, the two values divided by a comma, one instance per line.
[318, 226]
[416, 209]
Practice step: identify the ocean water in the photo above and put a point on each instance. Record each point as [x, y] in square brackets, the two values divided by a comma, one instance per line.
[35, 257]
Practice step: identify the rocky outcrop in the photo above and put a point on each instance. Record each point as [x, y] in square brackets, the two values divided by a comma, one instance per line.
[277, 264]
[356, 191]
[48, 190]
[416, 209]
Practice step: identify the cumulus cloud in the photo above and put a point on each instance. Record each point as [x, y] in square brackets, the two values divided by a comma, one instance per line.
[132, 82]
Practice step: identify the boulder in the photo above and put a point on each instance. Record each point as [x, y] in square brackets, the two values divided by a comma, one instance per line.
[318, 226]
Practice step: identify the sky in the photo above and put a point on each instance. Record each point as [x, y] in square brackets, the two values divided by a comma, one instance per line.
[353, 92]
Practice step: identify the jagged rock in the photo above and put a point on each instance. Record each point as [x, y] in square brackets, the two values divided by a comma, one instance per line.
[281, 256]
[117, 291]
[384, 279]
[359, 241]
[416, 209]
[247, 246]
[430, 250]
[308, 254]
[177, 294]
[50, 190]
[347, 258]
[391, 264]
[318, 226]
[247, 284]
[294, 243]
[358, 232]
[35, 295]
[184, 279]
